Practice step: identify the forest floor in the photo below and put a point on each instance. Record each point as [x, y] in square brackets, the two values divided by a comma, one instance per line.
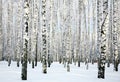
[57, 73]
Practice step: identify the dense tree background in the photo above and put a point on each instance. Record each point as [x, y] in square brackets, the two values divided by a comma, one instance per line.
[68, 31]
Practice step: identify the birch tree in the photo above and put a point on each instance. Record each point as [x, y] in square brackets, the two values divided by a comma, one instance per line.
[119, 31]
[25, 42]
[51, 28]
[1, 39]
[110, 38]
[9, 30]
[31, 16]
[87, 44]
[49, 19]
[18, 32]
[85, 34]
[75, 25]
[115, 34]
[34, 32]
[80, 7]
[44, 41]
[68, 32]
[63, 34]
[103, 26]
[93, 34]
[4, 29]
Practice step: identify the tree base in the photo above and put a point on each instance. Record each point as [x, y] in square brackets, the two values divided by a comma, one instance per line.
[45, 72]
[68, 68]
[116, 69]
[101, 74]
[24, 77]
[32, 64]
[18, 63]
[78, 63]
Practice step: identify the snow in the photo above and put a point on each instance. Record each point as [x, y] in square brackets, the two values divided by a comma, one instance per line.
[57, 73]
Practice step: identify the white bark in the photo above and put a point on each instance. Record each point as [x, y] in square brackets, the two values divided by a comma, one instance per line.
[1, 39]
[44, 41]
[34, 30]
[25, 40]
[67, 22]
[115, 34]
[18, 24]
[9, 30]
[103, 38]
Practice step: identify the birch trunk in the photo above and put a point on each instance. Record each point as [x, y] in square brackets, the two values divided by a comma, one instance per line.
[68, 32]
[18, 32]
[1, 30]
[44, 41]
[34, 32]
[9, 30]
[79, 30]
[115, 35]
[103, 26]
[25, 42]
[110, 12]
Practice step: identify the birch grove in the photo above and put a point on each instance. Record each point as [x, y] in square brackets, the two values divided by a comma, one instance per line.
[64, 31]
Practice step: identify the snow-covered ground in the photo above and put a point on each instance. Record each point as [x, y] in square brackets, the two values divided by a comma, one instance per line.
[57, 73]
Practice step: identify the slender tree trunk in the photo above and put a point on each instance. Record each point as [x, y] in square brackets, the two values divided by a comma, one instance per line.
[110, 37]
[67, 21]
[31, 21]
[79, 30]
[115, 34]
[9, 30]
[34, 31]
[18, 34]
[99, 19]
[44, 42]
[101, 68]
[1, 30]
[25, 43]
[36, 55]
[94, 28]
[118, 32]
[51, 28]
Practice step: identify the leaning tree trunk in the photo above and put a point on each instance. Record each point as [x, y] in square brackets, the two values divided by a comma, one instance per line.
[101, 68]
[44, 42]
[115, 43]
[25, 42]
